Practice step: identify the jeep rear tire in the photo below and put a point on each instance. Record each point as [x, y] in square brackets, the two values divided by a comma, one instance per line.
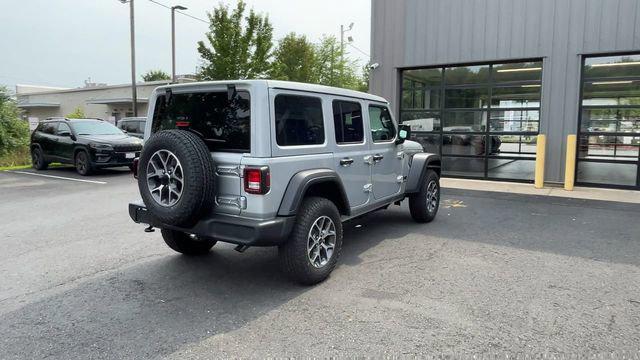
[184, 244]
[313, 248]
[176, 177]
[424, 204]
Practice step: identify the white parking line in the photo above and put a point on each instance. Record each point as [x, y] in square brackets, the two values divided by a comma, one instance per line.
[60, 177]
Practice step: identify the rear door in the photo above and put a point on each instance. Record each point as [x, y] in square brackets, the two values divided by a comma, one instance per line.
[387, 161]
[46, 139]
[63, 143]
[352, 158]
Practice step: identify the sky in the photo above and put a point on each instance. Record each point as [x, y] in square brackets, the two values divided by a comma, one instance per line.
[65, 42]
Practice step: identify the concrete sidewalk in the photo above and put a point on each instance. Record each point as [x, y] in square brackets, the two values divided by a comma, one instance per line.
[627, 196]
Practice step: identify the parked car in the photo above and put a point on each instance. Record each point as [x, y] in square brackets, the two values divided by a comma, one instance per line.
[133, 126]
[273, 163]
[86, 143]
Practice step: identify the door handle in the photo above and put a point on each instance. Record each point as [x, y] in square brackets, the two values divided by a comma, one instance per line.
[378, 157]
[346, 161]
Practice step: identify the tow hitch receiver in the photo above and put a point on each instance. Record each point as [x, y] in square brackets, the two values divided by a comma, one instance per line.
[149, 229]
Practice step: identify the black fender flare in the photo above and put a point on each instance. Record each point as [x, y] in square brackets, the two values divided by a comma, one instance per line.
[302, 181]
[418, 171]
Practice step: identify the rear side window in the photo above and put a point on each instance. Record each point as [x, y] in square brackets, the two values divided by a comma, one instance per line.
[347, 118]
[382, 128]
[299, 120]
[224, 124]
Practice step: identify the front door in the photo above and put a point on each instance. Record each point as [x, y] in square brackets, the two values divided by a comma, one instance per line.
[387, 161]
[352, 151]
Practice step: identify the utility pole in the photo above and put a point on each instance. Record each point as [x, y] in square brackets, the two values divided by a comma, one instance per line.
[173, 40]
[134, 91]
[342, 31]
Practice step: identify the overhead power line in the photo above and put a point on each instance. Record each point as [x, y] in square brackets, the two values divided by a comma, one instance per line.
[179, 12]
[362, 52]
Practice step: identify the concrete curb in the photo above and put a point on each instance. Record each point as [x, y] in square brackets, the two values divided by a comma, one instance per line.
[626, 196]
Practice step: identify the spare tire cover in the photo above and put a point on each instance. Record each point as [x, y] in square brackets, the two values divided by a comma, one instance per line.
[176, 177]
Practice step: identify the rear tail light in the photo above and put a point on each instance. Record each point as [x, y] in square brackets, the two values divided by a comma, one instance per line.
[257, 180]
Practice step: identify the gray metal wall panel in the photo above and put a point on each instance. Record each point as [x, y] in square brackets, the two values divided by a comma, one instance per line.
[407, 33]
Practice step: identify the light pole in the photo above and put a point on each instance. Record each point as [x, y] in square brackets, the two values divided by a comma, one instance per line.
[173, 39]
[342, 32]
[134, 91]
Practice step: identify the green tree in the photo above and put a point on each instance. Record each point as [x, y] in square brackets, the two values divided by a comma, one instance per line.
[334, 69]
[294, 60]
[363, 85]
[155, 75]
[238, 46]
[78, 113]
[14, 132]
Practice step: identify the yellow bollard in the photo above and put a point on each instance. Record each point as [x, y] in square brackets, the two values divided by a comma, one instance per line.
[570, 163]
[540, 152]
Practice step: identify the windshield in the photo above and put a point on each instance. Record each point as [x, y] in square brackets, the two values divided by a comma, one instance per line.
[224, 124]
[95, 127]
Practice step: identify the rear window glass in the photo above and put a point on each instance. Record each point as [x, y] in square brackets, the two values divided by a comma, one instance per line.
[223, 124]
[299, 120]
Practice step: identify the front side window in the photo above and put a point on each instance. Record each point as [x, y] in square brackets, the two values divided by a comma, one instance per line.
[347, 118]
[224, 124]
[382, 128]
[299, 120]
[63, 129]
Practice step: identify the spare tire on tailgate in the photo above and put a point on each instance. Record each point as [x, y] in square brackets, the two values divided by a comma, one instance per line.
[176, 177]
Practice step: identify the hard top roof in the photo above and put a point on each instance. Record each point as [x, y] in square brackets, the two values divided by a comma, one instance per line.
[278, 84]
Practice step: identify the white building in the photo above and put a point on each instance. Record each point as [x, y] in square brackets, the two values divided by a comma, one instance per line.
[107, 102]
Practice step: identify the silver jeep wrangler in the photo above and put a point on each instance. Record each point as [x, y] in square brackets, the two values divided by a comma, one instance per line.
[273, 163]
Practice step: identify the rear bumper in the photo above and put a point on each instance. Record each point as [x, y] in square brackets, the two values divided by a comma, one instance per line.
[226, 228]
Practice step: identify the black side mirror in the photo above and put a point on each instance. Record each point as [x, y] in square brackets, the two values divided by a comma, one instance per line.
[404, 132]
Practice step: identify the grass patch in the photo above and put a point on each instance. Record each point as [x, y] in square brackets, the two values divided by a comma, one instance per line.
[20, 159]
[17, 158]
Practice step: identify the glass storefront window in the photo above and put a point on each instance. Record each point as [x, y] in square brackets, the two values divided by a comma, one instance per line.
[421, 78]
[516, 96]
[466, 98]
[611, 93]
[610, 120]
[517, 120]
[465, 121]
[612, 66]
[609, 130]
[524, 71]
[466, 75]
[483, 118]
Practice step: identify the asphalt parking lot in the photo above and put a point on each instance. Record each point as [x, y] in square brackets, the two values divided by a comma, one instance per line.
[495, 273]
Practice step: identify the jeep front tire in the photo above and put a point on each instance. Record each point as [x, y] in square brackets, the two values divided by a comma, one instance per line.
[424, 204]
[313, 248]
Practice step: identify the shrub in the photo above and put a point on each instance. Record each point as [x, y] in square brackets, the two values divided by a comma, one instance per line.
[14, 132]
